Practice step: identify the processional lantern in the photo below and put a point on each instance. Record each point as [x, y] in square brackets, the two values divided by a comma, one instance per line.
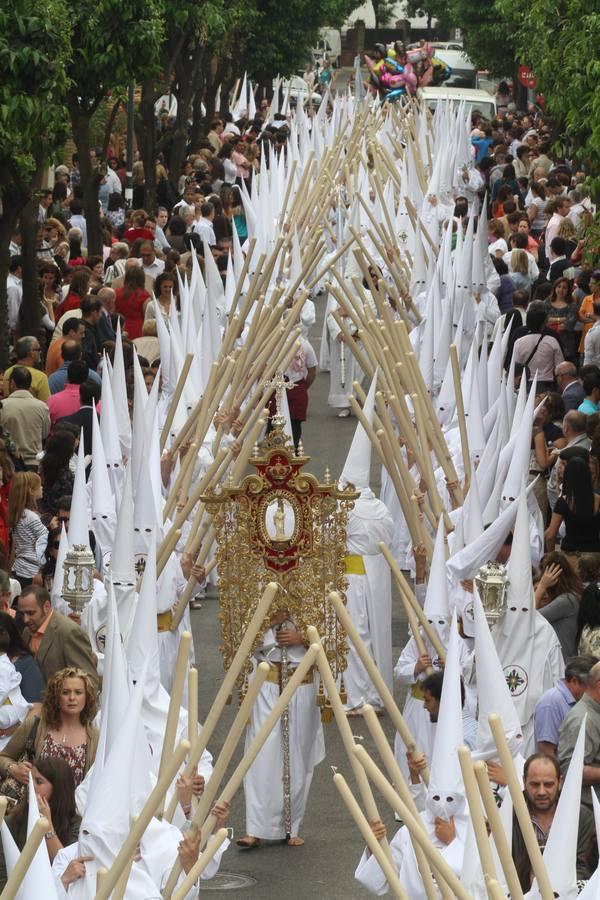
[492, 585]
[78, 577]
[281, 524]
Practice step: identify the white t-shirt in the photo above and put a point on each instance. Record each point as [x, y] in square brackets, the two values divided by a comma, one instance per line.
[498, 244]
[304, 359]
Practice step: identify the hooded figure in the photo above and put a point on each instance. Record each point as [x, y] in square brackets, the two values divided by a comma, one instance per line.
[444, 801]
[369, 592]
[409, 668]
[527, 645]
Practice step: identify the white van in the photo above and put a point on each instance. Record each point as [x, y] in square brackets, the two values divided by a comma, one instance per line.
[479, 101]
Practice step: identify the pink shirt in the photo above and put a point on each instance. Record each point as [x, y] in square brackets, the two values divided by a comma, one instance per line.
[64, 403]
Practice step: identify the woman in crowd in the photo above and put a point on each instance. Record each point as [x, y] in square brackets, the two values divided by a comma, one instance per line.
[131, 300]
[562, 316]
[557, 596]
[57, 477]
[54, 787]
[579, 508]
[536, 211]
[50, 281]
[64, 728]
[586, 309]
[497, 239]
[29, 535]
[78, 289]
[588, 621]
[546, 436]
[165, 288]
[32, 681]
[7, 470]
[519, 271]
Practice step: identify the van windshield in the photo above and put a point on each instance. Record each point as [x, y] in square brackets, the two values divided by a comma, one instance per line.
[486, 109]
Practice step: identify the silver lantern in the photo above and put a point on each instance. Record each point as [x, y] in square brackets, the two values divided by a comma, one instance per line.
[78, 580]
[492, 587]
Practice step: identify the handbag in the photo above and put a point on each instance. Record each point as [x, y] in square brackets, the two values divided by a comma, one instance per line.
[10, 788]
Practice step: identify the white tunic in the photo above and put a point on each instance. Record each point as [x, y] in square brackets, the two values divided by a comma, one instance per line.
[263, 784]
[369, 598]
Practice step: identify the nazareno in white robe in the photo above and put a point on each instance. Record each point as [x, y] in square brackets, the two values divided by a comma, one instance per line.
[370, 874]
[263, 784]
[369, 598]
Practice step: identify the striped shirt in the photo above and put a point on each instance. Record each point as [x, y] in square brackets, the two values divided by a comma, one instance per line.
[30, 539]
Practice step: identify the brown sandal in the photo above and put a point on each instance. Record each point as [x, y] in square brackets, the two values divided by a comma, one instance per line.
[295, 842]
[248, 842]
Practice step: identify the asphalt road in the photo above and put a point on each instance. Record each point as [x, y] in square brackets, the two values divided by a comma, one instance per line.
[324, 866]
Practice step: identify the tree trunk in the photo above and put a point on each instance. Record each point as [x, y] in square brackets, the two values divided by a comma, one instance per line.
[198, 123]
[8, 225]
[188, 73]
[30, 307]
[90, 176]
[145, 129]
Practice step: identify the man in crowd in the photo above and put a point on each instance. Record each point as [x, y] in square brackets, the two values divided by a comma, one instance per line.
[25, 418]
[542, 783]
[70, 352]
[55, 640]
[589, 706]
[553, 706]
[29, 353]
[14, 290]
[151, 265]
[73, 329]
[569, 385]
[89, 396]
[66, 401]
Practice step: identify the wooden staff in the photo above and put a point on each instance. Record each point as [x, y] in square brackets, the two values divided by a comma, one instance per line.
[368, 836]
[236, 779]
[19, 872]
[164, 552]
[176, 695]
[416, 831]
[393, 769]
[406, 591]
[188, 463]
[192, 704]
[175, 400]
[222, 762]
[376, 677]
[199, 866]
[257, 622]
[500, 840]
[345, 730]
[101, 876]
[474, 800]
[521, 810]
[138, 827]
[286, 197]
[3, 808]
[228, 342]
[460, 409]
[199, 489]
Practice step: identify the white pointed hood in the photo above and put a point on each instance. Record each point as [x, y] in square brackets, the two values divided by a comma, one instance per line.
[493, 695]
[119, 392]
[59, 574]
[446, 792]
[437, 606]
[357, 468]
[78, 520]
[519, 463]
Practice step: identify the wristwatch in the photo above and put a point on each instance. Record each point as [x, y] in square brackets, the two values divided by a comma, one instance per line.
[50, 834]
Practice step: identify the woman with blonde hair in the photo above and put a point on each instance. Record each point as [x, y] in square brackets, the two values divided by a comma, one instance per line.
[519, 271]
[63, 729]
[29, 536]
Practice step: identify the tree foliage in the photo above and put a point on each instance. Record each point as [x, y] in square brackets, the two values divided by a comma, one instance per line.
[561, 43]
[487, 34]
[433, 10]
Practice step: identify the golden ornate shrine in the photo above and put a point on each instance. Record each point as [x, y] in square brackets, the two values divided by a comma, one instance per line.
[280, 524]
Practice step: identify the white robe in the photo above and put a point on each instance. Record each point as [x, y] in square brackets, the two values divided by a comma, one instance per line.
[263, 784]
[339, 394]
[158, 849]
[370, 874]
[369, 599]
[415, 714]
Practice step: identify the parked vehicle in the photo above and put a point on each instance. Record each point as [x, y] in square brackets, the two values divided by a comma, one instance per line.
[479, 101]
[328, 46]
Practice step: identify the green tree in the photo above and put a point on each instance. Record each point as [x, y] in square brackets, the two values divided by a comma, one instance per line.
[34, 49]
[113, 42]
[488, 35]
[438, 10]
[561, 43]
